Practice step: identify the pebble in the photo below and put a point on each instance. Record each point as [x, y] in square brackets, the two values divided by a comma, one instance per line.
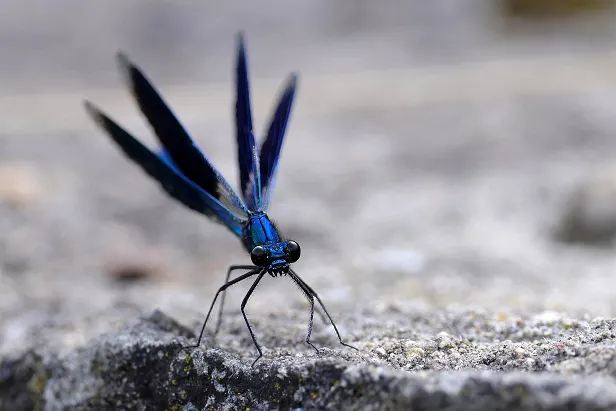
[20, 184]
[444, 340]
[589, 215]
[547, 317]
[415, 352]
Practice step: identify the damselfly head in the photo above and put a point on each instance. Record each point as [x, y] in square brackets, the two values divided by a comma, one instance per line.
[276, 258]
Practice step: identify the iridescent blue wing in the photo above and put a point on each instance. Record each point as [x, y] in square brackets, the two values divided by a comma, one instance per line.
[173, 182]
[186, 156]
[270, 149]
[247, 153]
[164, 155]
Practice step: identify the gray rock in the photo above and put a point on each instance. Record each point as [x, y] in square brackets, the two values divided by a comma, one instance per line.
[589, 215]
[143, 367]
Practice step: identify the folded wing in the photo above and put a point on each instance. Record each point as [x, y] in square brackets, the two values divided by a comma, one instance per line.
[172, 180]
[247, 154]
[179, 146]
[272, 145]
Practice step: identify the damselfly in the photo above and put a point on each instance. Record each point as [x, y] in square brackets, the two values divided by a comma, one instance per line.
[186, 174]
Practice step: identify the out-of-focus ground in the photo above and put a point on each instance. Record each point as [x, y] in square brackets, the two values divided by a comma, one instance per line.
[430, 155]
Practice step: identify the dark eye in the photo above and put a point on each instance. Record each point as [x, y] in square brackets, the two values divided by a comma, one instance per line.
[258, 256]
[293, 251]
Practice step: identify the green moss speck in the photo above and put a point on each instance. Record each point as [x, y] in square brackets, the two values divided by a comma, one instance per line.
[521, 391]
[40, 381]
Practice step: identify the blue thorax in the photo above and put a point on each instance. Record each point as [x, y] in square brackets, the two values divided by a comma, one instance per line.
[260, 231]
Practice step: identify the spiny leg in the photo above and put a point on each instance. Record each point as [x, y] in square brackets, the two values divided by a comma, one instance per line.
[222, 297]
[221, 289]
[311, 300]
[246, 297]
[308, 294]
[322, 316]
[315, 295]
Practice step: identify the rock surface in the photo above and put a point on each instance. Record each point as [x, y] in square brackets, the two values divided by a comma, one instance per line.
[484, 366]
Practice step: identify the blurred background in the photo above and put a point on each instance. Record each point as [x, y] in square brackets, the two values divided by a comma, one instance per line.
[450, 153]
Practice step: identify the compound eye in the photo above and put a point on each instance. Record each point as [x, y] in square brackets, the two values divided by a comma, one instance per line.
[293, 251]
[258, 256]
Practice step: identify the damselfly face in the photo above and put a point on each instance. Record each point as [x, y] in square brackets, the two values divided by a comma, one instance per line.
[266, 246]
[276, 258]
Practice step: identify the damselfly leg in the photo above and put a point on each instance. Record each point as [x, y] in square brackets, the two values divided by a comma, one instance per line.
[252, 335]
[221, 289]
[302, 284]
[311, 301]
[222, 297]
